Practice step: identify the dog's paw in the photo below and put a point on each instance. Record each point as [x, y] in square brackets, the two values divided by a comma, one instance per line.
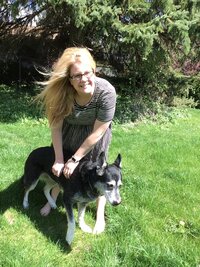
[25, 205]
[99, 228]
[70, 231]
[85, 228]
[69, 240]
[69, 237]
[53, 205]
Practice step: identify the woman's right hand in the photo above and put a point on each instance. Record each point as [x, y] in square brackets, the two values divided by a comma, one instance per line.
[57, 168]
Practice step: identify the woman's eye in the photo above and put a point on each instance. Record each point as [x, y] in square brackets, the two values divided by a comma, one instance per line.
[78, 76]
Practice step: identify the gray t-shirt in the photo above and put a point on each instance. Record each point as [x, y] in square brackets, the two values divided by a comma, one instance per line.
[79, 124]
[101, 106]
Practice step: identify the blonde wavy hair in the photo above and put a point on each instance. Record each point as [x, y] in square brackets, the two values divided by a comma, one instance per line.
[58, 94]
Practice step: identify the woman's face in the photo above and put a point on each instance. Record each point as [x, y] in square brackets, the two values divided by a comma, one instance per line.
[82, 78]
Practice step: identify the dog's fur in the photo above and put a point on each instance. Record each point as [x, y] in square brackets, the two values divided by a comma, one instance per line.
[88, 181]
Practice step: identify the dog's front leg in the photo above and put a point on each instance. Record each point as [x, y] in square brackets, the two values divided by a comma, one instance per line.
[100, 220]
[71, 221]
[81, 213]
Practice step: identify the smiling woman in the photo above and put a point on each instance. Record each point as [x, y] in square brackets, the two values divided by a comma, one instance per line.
[83, 81]
[80, 108]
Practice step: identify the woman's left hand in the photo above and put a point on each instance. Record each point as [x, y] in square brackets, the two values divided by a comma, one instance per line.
[69, 168]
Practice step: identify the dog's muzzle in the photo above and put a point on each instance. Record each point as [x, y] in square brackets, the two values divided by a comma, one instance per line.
[115, 203]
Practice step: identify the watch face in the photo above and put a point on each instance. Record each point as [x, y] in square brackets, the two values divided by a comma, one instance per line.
[74, 160]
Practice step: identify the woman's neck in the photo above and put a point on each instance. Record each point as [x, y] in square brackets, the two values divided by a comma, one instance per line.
[83, 99]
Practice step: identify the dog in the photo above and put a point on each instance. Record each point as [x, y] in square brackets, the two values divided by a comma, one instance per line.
[88, 181]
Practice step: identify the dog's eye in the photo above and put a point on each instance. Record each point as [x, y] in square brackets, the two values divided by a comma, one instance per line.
[110, 186]
[119, 185]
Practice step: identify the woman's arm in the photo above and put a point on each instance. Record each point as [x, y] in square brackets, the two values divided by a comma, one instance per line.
[56, 135]
[99, 130]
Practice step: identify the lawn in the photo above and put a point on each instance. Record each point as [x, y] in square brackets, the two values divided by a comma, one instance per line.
[158, 222]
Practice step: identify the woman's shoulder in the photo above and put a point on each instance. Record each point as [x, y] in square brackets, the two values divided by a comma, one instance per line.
[105, 92]
[103, 85]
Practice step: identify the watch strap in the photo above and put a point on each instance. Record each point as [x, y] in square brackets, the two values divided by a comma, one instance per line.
[74, 159]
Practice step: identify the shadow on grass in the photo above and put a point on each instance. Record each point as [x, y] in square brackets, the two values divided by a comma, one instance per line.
[54, 226]
[17, 103]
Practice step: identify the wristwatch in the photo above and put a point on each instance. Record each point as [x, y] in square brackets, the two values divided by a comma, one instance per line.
[74, 159]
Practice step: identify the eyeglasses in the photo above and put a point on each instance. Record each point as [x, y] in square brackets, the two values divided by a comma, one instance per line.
[78, 77]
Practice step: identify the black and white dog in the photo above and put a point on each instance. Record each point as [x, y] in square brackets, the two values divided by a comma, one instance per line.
[88, 181]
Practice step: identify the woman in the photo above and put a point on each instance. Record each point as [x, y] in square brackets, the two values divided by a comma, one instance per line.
[80, 108]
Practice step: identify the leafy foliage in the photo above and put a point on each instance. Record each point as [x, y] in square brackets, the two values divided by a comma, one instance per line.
[143, 41]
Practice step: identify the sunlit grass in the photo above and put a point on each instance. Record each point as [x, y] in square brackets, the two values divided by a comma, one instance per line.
[157, 224]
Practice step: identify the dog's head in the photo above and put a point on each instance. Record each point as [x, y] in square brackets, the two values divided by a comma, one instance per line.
[109, 179]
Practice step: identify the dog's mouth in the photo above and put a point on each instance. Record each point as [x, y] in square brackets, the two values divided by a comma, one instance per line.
[116, 203]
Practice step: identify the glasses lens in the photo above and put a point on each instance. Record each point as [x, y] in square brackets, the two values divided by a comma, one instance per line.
[88, 74]
[78, 77]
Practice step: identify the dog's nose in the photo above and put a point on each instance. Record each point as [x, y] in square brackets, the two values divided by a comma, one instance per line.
[116, 202]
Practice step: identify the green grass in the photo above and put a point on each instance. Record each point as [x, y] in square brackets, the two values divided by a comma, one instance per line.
[158, 222]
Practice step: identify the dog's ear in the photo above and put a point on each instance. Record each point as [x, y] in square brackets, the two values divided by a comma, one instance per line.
[84, 170]
[118, 161]
[101, 164]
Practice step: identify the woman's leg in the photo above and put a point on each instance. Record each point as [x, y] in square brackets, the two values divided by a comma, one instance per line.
[47, 208]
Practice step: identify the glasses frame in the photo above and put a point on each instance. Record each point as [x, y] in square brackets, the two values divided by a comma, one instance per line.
[79, 77]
